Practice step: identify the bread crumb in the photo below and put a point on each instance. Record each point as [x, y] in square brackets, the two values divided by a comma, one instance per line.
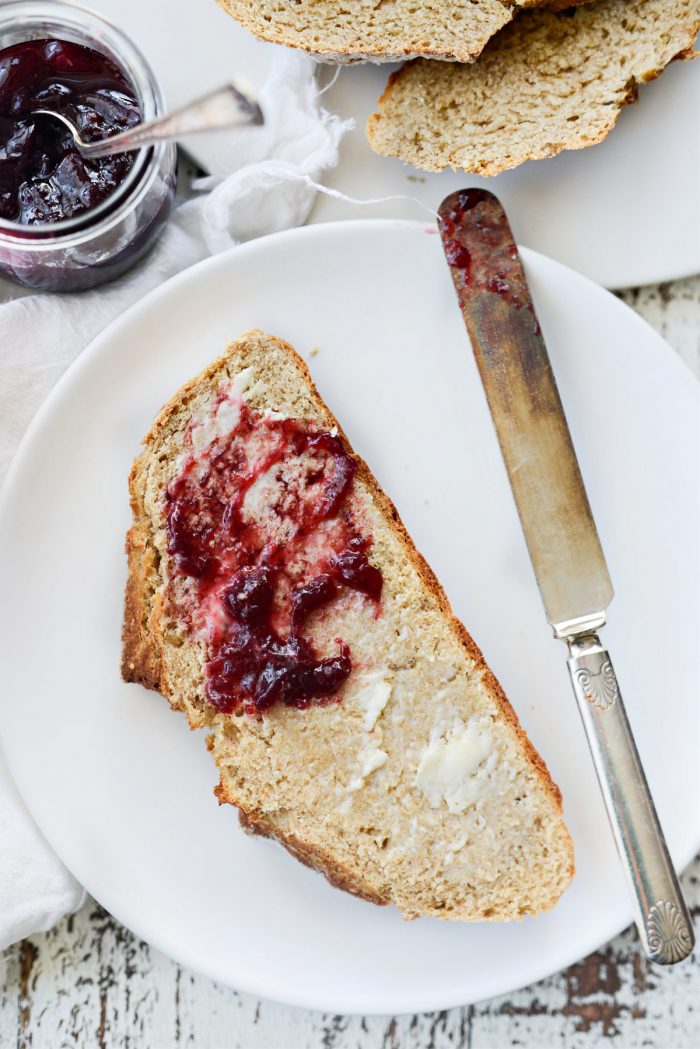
[314, 351]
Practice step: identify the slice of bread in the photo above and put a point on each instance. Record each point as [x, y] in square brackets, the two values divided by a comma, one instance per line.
[418, 787]
[380, 30]
[548, 82]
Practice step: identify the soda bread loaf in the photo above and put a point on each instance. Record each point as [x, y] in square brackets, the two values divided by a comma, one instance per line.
[548, 82]
[380, 30]
[414, 784]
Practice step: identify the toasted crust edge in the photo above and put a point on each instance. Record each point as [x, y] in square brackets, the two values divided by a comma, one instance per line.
[258, 824]
[141, 655]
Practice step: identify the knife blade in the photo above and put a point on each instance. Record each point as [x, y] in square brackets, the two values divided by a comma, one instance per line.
[562, 541]
[526, 408]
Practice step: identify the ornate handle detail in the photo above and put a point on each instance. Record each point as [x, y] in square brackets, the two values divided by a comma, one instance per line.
[669, 936]
[598, 687]
[661, 914]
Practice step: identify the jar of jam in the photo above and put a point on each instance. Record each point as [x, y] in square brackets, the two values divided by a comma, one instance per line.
[67, 223]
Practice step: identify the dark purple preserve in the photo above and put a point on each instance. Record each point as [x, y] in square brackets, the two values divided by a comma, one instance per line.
[265, 589]
[43, 177]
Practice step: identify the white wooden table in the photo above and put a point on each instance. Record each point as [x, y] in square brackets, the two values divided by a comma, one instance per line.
[90, 983]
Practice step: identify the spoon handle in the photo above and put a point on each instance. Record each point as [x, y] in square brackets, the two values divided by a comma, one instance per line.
[227, 106]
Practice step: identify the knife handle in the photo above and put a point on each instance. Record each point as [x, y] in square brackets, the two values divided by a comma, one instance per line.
[661, 914]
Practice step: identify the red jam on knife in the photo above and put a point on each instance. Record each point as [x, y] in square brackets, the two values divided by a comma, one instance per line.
[43, 177]
[260, 518]
[492, 250]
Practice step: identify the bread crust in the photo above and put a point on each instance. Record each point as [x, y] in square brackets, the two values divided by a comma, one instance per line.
[340, 877]
[142, 656]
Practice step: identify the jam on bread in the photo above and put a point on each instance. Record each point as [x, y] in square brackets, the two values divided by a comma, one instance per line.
[259, 518]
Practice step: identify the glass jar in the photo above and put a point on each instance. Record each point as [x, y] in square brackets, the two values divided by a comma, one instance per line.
[103, 242]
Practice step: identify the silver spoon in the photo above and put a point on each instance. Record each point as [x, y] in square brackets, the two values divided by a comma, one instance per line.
[227, 106]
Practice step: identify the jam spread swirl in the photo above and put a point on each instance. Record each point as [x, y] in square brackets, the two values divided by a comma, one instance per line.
[43, 177]
[261, 522]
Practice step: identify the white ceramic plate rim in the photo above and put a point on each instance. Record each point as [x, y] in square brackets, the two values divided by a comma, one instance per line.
[131, 917]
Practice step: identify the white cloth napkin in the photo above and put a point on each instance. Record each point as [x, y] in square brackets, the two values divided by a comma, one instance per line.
[271, 186]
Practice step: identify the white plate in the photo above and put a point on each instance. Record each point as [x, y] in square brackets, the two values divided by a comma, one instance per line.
[626, 212]
[119, 785]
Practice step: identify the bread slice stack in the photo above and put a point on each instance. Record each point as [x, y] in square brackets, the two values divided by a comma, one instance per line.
[416, 784]
[549, 81]
[380, 30]
[491, 83]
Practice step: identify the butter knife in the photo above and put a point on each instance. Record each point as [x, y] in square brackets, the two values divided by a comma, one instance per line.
[562, 541]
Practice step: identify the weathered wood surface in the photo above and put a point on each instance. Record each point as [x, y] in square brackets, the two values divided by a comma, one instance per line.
[90, 983]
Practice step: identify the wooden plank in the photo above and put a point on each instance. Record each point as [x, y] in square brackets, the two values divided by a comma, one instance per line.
[674, 311]
[9, 995]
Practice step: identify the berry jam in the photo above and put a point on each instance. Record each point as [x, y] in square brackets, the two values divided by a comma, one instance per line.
[43, 177]
[479, 249]
[261, 521]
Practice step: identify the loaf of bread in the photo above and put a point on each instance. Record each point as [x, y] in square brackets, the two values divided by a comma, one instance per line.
[380, 30]
[369, 738]
[548, 82]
